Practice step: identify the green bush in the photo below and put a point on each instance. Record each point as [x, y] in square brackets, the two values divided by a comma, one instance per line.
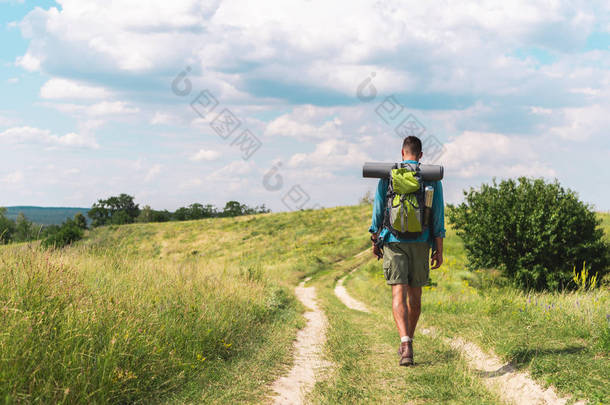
[69, 232]
[7, 227]
[536, 233]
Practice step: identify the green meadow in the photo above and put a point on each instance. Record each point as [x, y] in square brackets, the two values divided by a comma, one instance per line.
[561, 339]
[204, 311]
[178, 312]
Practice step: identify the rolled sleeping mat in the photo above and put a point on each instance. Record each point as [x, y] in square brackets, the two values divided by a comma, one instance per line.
[380, 170]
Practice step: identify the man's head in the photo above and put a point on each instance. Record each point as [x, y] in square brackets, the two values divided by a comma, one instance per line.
[411, 148]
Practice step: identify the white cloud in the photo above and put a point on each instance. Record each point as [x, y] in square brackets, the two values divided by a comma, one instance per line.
[28, 62]
[541, 110]
[586, 90]
[88, 125]
[97, 110]
[161, 118]
[287, 125]
[124, 36]
[204, 154]
[31, 135]
[583, 123]
[63, 88]
[25, 134]
[484, 155]
[153, 172]
[111, 108]
[234, 171]
[12, 80]
[332, 153]
[13, 177]
[76, 140]
[413, 46]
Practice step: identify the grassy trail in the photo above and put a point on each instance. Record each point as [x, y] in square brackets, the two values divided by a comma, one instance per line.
[363, 348]
[560, 339]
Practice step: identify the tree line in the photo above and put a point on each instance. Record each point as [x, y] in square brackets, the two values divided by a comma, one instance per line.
[115, 210]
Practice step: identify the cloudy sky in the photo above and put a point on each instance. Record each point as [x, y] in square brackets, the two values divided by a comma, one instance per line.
[280, 102]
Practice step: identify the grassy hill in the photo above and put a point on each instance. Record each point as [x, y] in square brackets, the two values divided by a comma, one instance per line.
[204, 311]
[45, 215]
[193, 311]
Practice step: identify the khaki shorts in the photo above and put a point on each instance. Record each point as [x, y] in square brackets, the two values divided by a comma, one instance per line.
[406, 263]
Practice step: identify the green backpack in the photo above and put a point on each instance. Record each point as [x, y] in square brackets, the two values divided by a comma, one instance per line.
[405, 210]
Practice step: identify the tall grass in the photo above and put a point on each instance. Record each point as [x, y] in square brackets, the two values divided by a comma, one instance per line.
[134, 314]
[134, 332]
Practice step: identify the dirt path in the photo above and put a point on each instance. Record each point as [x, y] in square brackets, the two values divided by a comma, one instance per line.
[346, 299]
[309, 364]
[514, 386]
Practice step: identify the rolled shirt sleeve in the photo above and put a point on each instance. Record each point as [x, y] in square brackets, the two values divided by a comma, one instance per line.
[438, 211]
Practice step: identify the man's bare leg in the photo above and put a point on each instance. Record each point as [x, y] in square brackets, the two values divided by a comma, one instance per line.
[414, 309]
[406, 308]
[399, 307]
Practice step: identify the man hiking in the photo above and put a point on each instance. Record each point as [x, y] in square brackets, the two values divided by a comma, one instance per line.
[406, 254]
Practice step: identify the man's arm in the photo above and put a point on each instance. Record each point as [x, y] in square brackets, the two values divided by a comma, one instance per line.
[377, 219]
[378, 207]
[436, 260]
[438, 225]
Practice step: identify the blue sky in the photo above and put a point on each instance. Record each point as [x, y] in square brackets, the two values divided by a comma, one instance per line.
[93, 105]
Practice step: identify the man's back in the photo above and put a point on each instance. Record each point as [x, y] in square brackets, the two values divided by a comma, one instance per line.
[437, 214]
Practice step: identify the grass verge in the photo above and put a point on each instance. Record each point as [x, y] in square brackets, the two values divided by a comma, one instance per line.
[199, 311]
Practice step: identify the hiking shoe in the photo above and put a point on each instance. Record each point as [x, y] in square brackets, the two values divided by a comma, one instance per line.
[400, 346]
[406, 354]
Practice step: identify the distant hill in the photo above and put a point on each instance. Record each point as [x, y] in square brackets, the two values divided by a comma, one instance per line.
[45, 215]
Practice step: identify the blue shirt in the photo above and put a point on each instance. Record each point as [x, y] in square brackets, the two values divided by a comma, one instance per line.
[437, 228]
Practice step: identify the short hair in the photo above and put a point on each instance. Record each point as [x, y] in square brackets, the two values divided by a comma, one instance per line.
[412, 145]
